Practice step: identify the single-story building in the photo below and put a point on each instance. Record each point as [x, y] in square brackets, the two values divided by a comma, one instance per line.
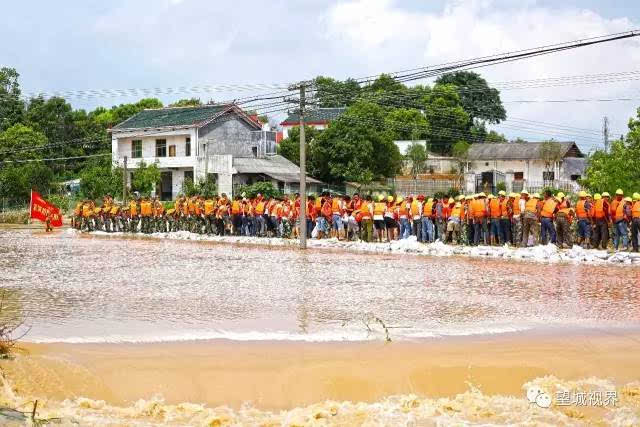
[317, 118]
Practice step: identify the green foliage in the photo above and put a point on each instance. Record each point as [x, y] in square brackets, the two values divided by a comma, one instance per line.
[478, 99]
[15, 141]
[191, 102]
[98, 178]
[15, 217]
[144, 178]
[494, 136]
[17, 180]
[63, 202]
[335, 93]
[460, 150]
[11, 106]
[356, 147]
[446, 117]
[501, 186]
[265, 188]
[407, 124]
[206, 188]
[619, 167]
[417, 158]
[550, 153]
[290, 146]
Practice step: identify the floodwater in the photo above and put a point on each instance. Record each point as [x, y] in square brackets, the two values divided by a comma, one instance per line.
[74, 288]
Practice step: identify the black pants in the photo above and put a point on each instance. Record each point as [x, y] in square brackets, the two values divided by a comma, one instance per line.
[601, 234]
[635, 229]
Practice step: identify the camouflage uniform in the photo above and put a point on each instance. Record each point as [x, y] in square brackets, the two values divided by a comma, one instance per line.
[563, 231]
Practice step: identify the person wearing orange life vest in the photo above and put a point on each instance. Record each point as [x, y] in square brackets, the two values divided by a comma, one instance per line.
[547, 214]
[600, 217]
[635, 221]
[505, 216]
[564, 217]
[613, 209]
[529, 216]
[337, 210]
[415, 210]
[453, 223]
[259, 222]
[479, 211]
[351, 223]
[495, 215]
[311, 214]
[247, 215]
[427, 221]
[159, 218]
[379, 210]
[366, 218]
[583, 213]
[621, 220]
[236, 215]
[402, 209]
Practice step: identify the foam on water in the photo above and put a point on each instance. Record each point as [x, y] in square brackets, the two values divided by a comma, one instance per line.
[549, 253]
[470, 407]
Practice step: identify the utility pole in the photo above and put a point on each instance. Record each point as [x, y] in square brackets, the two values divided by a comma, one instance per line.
[605, 133]
[303, 174]
[124, 181]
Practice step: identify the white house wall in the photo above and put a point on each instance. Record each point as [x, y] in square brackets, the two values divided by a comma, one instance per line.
[286, 128]
[121, 147]
[532, 169]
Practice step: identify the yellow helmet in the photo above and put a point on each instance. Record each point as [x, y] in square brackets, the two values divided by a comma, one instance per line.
[597, 196]
[461, 197]
[380, 198]
[482, 194]
[502, 193]
[636, 196]
[399, 199]
[491, 196]
[560, 194]
[582, 194]
[469, 198]
[451, 200]
[628, 199]
[619, 192]
[390, 199]
[430, 200]
[513, 195]
[525, 192]
[589, 195]
[536, 195]
[606, 194]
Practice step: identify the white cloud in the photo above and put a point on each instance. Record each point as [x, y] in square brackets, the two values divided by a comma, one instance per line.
[385, 37]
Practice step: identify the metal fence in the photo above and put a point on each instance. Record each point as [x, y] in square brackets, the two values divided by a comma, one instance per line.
[7, 205]
[537, 186]
[405, 187]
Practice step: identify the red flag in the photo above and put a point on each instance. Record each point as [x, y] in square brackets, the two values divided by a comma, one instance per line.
[41, 209]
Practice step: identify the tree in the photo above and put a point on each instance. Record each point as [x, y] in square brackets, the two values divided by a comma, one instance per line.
[550, 153]
[447, 119]
[478, 99]
[336, 93]
[356, 147]
[617, 168]
[19, 142]
[190, 102]
[17, 180]
[416, 157]
[144, 178]
[206, 188]
[99, 178]
[460, 151]
[407, 124]
[11, 106]
[265, 188]
[494, 136]
[290, 146]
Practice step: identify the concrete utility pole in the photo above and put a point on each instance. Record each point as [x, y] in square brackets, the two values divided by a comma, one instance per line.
[303, 174]
[605, 133]
[124, 181]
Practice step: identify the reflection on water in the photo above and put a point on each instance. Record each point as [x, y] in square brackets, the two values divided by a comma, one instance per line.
[91, 289]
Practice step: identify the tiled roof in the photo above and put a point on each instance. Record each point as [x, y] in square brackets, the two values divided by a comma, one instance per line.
[314, 116]
[276, 167]
[166, 117]
[517, 150]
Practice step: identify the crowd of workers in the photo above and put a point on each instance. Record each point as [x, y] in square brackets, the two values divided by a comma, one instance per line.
[515, 219]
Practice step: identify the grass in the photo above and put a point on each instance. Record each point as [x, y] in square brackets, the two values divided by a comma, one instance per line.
[14, 217]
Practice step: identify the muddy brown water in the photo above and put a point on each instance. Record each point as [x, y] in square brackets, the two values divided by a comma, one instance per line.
[85, 289]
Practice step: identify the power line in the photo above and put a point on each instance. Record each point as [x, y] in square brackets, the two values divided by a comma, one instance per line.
[55, 159]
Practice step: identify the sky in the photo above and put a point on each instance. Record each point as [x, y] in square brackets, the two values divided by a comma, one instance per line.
[121, 44]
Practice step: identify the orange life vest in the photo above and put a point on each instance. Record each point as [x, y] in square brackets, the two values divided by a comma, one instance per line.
[78, 210]
[427, 209]
[415, 209]
[402, 210]
[478, 208]
[159, 209]
[133, 208]
[598, 209]
[548, 208]
[365, 210]
[259, 208]
[581, 211]
[86, 210]
[197, 207]
[531, 206]
[208, 207]
[613, 207]
[635, 209]
[516, 205]
[145, 208]
[185, 208]
[378, 208]
[336, 208]
[235, 207]
[619, 211]
[191, 207]
[456, 212]
[494, 208]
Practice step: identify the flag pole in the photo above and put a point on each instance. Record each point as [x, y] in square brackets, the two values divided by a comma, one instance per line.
[30, 205]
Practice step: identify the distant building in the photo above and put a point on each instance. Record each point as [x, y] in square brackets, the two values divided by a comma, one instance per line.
[317, 118]
[436, 163]
[219, 142]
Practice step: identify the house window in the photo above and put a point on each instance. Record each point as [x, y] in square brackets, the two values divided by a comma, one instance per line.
[548, 176]
[486, 163]
[187, 147]
[254, 150]
[518, 176]
[161, 148]
[136, 149]
[188, 175]
[575, 177]
[172, 151]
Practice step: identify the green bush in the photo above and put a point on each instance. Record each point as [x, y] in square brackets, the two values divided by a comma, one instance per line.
[14, 217]
[501, 186]
[205, 188]
[265, 188]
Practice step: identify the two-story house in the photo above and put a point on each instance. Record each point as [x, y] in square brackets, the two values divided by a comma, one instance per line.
[318, 118]
[219, 142]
